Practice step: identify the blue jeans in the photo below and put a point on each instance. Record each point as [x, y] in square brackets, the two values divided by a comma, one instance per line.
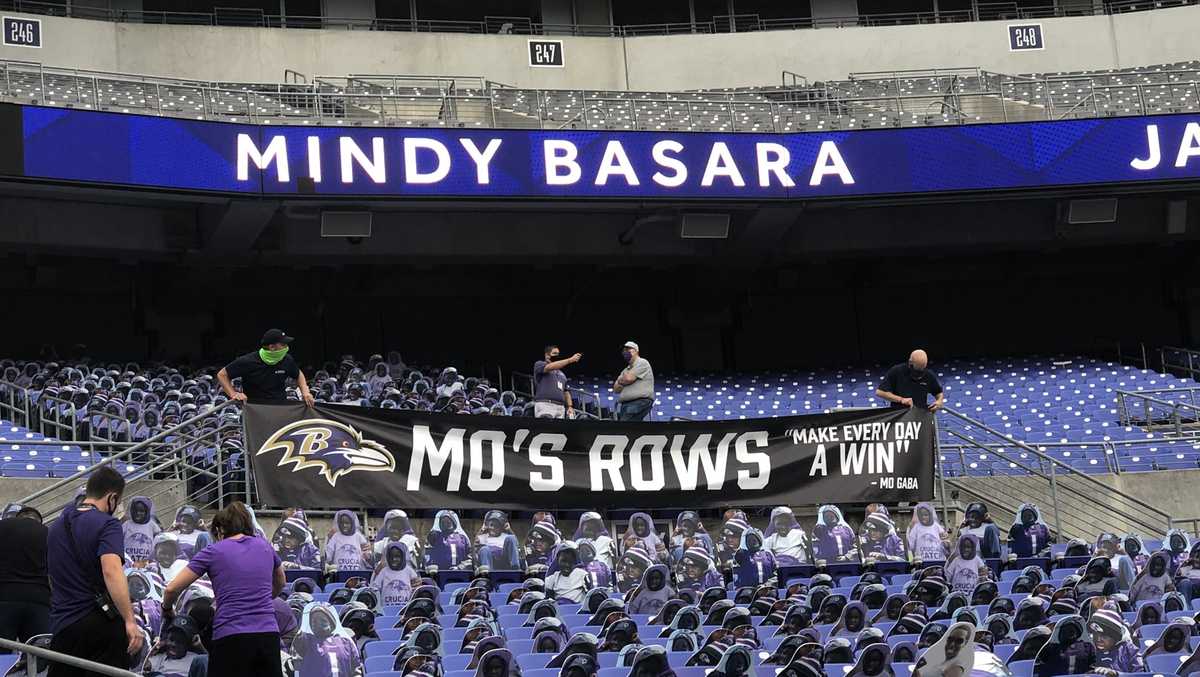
[507, 558]
[635, 410]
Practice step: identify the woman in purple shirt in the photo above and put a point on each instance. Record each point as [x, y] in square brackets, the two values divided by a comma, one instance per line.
[246, 574]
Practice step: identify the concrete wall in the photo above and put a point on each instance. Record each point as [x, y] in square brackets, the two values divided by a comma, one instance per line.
[167, 494]
[649, 62]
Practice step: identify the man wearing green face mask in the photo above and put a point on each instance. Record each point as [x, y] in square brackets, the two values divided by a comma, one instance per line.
[264, 373]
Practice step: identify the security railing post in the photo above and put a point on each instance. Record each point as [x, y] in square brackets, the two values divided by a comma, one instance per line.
[1178, 424]
[1146, 408]
[1054, 500]
[937, 460]
[220, 470]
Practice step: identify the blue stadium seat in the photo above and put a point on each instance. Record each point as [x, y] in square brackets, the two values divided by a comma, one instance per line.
[1021, 668]
[381, 664]
[1165, 663]
[381, 647]
[1149, 633]
[535, 661]
[520, 646]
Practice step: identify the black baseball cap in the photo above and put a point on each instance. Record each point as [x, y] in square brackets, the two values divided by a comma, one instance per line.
[185, 624]
[275, 336]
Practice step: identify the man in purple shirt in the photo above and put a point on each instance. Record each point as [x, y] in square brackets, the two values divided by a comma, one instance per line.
[85, 554]
[551, 399]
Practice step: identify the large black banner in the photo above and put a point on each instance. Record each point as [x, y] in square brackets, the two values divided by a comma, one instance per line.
[355, 457]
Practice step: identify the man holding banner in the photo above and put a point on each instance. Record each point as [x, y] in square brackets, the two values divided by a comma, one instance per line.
[910, 385]
[264, 373]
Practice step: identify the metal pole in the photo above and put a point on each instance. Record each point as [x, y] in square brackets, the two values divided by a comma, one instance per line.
[1054, 500]
[221, 472]
[64, 659]
[937, 459]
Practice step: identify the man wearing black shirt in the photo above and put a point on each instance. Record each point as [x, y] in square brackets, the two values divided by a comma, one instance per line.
[265, 372]
[24, 586]
[911, 384]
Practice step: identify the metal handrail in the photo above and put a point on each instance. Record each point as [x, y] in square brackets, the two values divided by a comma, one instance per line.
[143, 445]
[285, 103]
[1193, 360]
[1053, 482]
[1147, 400]
[64, 659]
[50, 415]
[1070, 471]
[593, 396]
[1090, 97]
[1056, 487]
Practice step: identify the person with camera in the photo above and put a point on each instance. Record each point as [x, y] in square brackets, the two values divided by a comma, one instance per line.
[90, 612]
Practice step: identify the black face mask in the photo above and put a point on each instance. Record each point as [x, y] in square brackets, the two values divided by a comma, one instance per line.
[914, 372]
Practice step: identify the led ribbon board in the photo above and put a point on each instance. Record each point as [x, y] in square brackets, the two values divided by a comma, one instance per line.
[182, 154]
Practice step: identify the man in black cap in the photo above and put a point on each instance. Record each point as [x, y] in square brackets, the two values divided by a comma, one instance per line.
[264, 373]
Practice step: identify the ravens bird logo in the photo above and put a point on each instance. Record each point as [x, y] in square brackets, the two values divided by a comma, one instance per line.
[335, 449]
